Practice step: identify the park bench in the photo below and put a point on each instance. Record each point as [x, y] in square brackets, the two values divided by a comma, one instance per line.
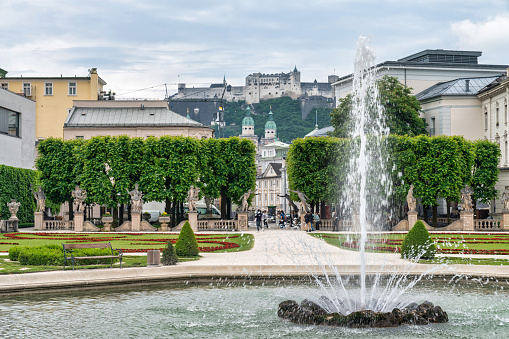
[69, 254]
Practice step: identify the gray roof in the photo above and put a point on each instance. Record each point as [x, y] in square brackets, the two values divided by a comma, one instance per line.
[443, 55]
[126, 117]
[322, 132]
[456, 87]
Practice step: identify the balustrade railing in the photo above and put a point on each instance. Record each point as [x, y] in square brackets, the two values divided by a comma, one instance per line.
[58, 225]
[218, 225]
[486, 224]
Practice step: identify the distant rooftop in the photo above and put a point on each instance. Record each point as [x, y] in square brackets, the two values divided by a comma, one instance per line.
[125, 114]
[463, 86]
[444, 56]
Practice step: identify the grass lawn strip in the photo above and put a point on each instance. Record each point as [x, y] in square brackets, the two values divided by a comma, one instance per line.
[447, 243]
[129, 242]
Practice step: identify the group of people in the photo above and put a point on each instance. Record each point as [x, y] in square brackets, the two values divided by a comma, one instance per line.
[261, 217]
[312, 221]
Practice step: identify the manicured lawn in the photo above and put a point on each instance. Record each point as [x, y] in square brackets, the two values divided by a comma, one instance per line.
[130, 242]
[465, 243]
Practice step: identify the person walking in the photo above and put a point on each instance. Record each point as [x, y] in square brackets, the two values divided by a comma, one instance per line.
[258, 218]
[265, 218]
[308, 219]
[316, 220]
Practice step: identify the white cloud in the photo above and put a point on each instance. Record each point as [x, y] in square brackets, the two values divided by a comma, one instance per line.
[482, 34]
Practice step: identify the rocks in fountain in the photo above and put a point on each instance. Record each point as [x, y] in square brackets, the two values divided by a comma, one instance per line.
[311, 313]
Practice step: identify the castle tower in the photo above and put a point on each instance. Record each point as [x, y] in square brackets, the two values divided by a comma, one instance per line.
[270, 127]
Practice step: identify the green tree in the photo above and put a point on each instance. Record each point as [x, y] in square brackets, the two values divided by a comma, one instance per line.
[60, 164]
[169, 256]
[485, 171]
[401, 109]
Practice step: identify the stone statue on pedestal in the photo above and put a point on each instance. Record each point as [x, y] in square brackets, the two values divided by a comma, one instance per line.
[192, 198]
[41, 199]
[136, 199]
[79, 196]
[466, 199]
[13, 208]
[303, 200]
[410, 199]
[245, 204]
[505, 200]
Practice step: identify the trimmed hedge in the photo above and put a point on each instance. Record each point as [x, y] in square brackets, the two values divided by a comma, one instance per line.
[186, 245]
[418, 244]
[169, 255]
[53, 255]
[15, 184]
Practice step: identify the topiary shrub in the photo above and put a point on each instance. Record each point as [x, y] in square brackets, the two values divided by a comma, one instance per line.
[418, 244]
[186, 245]
[169, 255]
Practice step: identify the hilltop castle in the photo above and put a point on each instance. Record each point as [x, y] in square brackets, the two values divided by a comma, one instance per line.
[260, 87]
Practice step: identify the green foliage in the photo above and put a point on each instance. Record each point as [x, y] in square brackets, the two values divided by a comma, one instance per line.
[418, 243]
[401, 109]
[60, 164]
[186, 245]
[316, 167]
[287, 116]
[485, 170]
[53, 255]
[169, 255]
[15, 184]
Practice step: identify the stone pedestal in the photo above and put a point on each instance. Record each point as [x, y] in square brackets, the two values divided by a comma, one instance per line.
[135, 221]
[79, 218]
[505, 222]
[38, 219]
[153, 258]
[193, 220]
[467, 221]
[242, 222]
[303, 226]
[412, 219]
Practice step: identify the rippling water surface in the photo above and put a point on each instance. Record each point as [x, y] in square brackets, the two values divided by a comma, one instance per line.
[475, 311]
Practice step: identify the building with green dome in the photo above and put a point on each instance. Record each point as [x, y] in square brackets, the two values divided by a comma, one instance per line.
[248, 127]
[270, 130]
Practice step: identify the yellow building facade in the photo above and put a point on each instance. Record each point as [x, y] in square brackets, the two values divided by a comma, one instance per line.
[54, 97]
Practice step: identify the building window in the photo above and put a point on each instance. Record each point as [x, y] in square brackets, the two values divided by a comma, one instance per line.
[80, 137]
[5, 85]
[505, 112]
[48, 88]
[497, 115]
[73, 88]
[485, 119]
[432, 127]
[27, 89]
[506, 151]
[9, 122]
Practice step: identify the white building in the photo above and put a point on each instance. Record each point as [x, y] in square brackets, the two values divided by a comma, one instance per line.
[17, 130]
[427, 68]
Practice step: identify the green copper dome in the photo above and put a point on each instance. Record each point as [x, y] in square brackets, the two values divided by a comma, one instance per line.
[270, 124]
[248, 121]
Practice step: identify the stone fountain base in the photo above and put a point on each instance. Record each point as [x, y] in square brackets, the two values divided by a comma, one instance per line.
[310, 313]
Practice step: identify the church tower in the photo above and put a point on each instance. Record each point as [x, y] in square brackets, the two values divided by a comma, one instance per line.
[248, 127]
[270, 127]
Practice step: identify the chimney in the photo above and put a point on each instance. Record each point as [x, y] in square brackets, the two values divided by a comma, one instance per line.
[467, 85]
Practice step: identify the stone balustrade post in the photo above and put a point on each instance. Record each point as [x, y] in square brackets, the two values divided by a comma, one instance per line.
[79, 219]
[242, 221]
[193, 220]
[135, 221]
[38, 220]
[504, 226]
[412, 219]
[467, 221]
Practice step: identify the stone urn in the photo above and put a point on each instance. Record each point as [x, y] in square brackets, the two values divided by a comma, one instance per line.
[145, 216]
[107, 221]
[164, 220]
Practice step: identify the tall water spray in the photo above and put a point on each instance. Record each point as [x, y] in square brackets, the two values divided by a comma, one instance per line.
[368, 185]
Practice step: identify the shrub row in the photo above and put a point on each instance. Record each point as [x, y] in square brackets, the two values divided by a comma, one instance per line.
[53, 255]
[15, 184]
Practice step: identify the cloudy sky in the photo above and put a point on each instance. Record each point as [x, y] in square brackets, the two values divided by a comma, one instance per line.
[139, 45]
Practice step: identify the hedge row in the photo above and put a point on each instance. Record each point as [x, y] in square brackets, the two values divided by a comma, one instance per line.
[15, 184]
[53, 255]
